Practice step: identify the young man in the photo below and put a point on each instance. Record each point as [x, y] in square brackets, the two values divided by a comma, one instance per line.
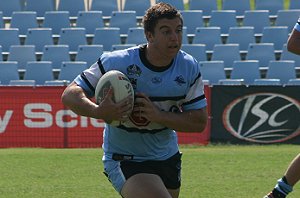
[292, 175]
[142, 158]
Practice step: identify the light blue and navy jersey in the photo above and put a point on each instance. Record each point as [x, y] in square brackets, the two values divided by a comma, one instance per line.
[297, 26]
[176, 87]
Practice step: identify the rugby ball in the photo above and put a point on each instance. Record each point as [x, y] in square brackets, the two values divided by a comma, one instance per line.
[121, 86]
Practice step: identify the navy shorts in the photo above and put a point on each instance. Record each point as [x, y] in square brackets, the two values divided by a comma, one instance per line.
[168, 170]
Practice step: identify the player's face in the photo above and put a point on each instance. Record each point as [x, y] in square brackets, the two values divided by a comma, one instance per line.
[167, 37]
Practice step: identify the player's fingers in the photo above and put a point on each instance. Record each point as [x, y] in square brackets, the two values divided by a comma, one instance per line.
[109, 94]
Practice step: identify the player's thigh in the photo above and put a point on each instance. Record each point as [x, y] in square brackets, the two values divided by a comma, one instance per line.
[145, 185]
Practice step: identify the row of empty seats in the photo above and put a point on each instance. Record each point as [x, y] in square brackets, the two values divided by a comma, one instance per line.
[126, 19]
[55, 56]
[263, 52]
[278, 72]
[83, 35]
[54, 53]
[248, 72]
[70, 36]
[112, 36]
[40, 71]
[107, 6]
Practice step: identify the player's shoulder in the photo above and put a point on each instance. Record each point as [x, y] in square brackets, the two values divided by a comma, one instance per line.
[186, 59]
[121, 53]
[184, 56]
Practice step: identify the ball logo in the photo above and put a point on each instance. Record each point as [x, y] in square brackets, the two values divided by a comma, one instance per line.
[263, 118]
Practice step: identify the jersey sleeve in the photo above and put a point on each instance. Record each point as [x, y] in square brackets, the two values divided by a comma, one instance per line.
[195, 98]
[297, 25]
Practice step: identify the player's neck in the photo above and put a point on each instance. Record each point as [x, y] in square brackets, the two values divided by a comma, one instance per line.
[156, 58]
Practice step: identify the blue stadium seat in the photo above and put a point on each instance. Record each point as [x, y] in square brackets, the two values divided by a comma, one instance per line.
[22, 83]
[107, 7]
[73, 37]
[9, 71]
[40, 7]
[185, 38]
[136, 36]
[208, 36]
[39, 37]
[242, 36]
[217, 20]
[247, 70]
[23, 20]
[198, 51]
[269, 81]
[294, 4]
[272, 5]
[287, 18]
[73, 6]
[192, 19]
[295, 81]
[283, 70]
[9, 37]
[90, 20]
[263, 52]
[56, 54]
[69, 70]
[179, 4]
[56, 83]
[10, 6]
[123, 20]
[121, 46]
[277, 35]
[213, 71]
[1, 57]
[1, 20]
[139, 6]
[56, 20]
[207, 6]
[89, 53]
[22, 54]
[241, 6]
[228, 53]
[231, 82]
[258, 19]
[39, 71]
[107, 37]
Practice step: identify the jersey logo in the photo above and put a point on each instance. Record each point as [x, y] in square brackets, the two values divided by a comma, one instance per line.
[156, 80]
[180, 80]
[134, 70]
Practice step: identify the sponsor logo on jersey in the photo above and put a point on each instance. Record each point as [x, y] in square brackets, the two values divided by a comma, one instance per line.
[180, 80]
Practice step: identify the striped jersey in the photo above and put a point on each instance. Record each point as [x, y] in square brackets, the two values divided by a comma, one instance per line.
[176, 87]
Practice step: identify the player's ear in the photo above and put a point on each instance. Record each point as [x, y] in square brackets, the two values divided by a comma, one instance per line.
[149, 37]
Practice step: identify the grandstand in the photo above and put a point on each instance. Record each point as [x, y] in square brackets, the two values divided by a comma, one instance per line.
[73, 17]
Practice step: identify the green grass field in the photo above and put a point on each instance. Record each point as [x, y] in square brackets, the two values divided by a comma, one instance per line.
[214, 171]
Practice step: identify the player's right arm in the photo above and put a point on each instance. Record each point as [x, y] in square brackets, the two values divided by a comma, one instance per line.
[75, 99]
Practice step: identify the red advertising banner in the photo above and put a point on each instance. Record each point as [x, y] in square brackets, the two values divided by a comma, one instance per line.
[35, 117]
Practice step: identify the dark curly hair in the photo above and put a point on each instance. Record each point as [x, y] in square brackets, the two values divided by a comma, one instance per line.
[159, 11]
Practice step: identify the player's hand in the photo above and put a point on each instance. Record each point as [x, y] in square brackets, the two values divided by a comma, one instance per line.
[145, 108]
[115, 111]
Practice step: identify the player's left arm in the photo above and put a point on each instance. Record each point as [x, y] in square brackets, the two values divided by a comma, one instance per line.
[187, 121]
[293, 43]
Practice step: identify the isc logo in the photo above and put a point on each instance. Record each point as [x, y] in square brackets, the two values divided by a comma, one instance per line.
[263, 118]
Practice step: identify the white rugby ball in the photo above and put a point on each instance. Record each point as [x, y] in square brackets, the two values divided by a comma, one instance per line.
[121, 86]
